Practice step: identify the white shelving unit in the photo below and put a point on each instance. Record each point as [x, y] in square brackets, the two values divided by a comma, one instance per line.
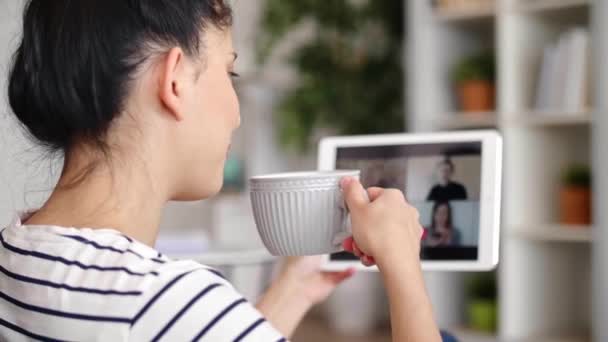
[545, 273]
[458, 121]
[553, 233]
[549, 5]
[466, 15]
[534, 118]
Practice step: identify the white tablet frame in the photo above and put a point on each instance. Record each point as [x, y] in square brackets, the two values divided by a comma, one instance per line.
[490, 197]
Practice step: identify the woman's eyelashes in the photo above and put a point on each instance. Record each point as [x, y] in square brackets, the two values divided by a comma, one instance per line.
[233, 74]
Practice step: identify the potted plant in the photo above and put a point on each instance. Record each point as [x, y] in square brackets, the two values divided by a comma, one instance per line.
[575, 196]
[350, 70]
[482, 307]
[474, 77]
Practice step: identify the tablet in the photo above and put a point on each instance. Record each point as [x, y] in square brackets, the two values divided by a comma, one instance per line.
[453, 179]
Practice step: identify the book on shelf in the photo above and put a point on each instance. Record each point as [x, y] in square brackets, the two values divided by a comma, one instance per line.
[564, 74]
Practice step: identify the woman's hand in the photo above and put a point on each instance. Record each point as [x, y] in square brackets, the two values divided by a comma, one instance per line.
[300, 285]
[380, 221]
[316, 285]
[386, 230]
[443, 239]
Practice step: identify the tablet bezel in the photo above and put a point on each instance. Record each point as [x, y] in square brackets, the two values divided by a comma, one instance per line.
[490, 195]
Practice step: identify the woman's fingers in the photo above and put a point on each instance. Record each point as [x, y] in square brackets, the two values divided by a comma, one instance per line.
[348, 244]
[356, 250]
[367, 261]
[373, 193]
[351, 246]
[338, 277]
[354, 193]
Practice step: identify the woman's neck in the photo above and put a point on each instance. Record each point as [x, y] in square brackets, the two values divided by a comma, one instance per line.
[106, 197]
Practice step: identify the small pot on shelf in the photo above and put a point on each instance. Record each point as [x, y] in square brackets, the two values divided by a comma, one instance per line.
[474, 79]
[476, 96]
[575, 196]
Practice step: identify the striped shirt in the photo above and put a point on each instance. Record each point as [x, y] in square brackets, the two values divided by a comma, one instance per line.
[67, 284]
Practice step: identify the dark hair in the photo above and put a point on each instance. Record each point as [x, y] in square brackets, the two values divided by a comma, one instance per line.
[72, 71]
[435, 208]
[448, 162]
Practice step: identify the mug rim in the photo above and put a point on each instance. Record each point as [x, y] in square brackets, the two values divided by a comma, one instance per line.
[305, 175]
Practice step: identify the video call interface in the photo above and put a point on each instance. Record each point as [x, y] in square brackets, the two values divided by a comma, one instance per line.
[443, 181]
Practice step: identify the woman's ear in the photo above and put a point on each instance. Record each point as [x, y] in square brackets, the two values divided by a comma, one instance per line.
[171, 86]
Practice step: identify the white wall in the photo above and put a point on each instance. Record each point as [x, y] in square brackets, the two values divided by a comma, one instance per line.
[25, 175]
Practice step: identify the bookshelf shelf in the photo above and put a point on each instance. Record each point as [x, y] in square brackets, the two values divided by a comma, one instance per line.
[463, 15]
[468, 335]
[542, 285]
[461, 120]
[554, 233]
[465, 334]
[540, 6]
[553, 119]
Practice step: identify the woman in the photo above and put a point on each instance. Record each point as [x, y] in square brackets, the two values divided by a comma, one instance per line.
[441, 232]
[137, 97]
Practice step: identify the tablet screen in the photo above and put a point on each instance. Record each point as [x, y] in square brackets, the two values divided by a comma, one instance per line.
[443, 181]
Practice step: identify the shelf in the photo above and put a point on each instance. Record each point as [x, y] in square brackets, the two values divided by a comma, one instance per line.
[539, 118]
[554, 233]
[316, 328]
[466, 14]
[464, 334]
[534, 6]
[460, 120]
[545, 265]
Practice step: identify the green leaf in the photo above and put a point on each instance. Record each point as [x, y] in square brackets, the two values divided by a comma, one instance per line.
[351, 78]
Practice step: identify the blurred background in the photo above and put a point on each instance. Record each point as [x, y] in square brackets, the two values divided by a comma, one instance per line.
[314, 68]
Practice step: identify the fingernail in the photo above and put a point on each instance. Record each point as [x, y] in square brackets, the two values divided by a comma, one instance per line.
[347, 245]
[346, 181]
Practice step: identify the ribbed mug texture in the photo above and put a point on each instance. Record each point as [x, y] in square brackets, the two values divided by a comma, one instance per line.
[302, 214]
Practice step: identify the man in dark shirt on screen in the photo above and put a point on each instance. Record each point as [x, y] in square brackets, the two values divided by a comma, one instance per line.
[447, 190]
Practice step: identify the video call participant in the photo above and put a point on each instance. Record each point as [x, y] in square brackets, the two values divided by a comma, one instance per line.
[447, 190]
[441, 232]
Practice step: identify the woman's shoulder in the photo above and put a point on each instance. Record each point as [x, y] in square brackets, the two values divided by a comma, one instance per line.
[189, 269]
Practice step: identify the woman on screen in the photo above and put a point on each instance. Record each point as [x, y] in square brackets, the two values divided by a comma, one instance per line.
[441, 231]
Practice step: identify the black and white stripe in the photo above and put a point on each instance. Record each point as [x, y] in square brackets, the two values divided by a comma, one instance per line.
[184, 310]
[26, 333]
[249, 329]
[59, 285]
[59, 259]
[46, 283]
[112, 249]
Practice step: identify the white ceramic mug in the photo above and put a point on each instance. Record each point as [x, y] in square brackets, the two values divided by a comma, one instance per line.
[301, 213]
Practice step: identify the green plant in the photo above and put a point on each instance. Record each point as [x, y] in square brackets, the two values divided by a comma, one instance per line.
[483, 315]
[482, 307]
[476, 67]
[351, 76]
[577, 175]
[482, 286]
